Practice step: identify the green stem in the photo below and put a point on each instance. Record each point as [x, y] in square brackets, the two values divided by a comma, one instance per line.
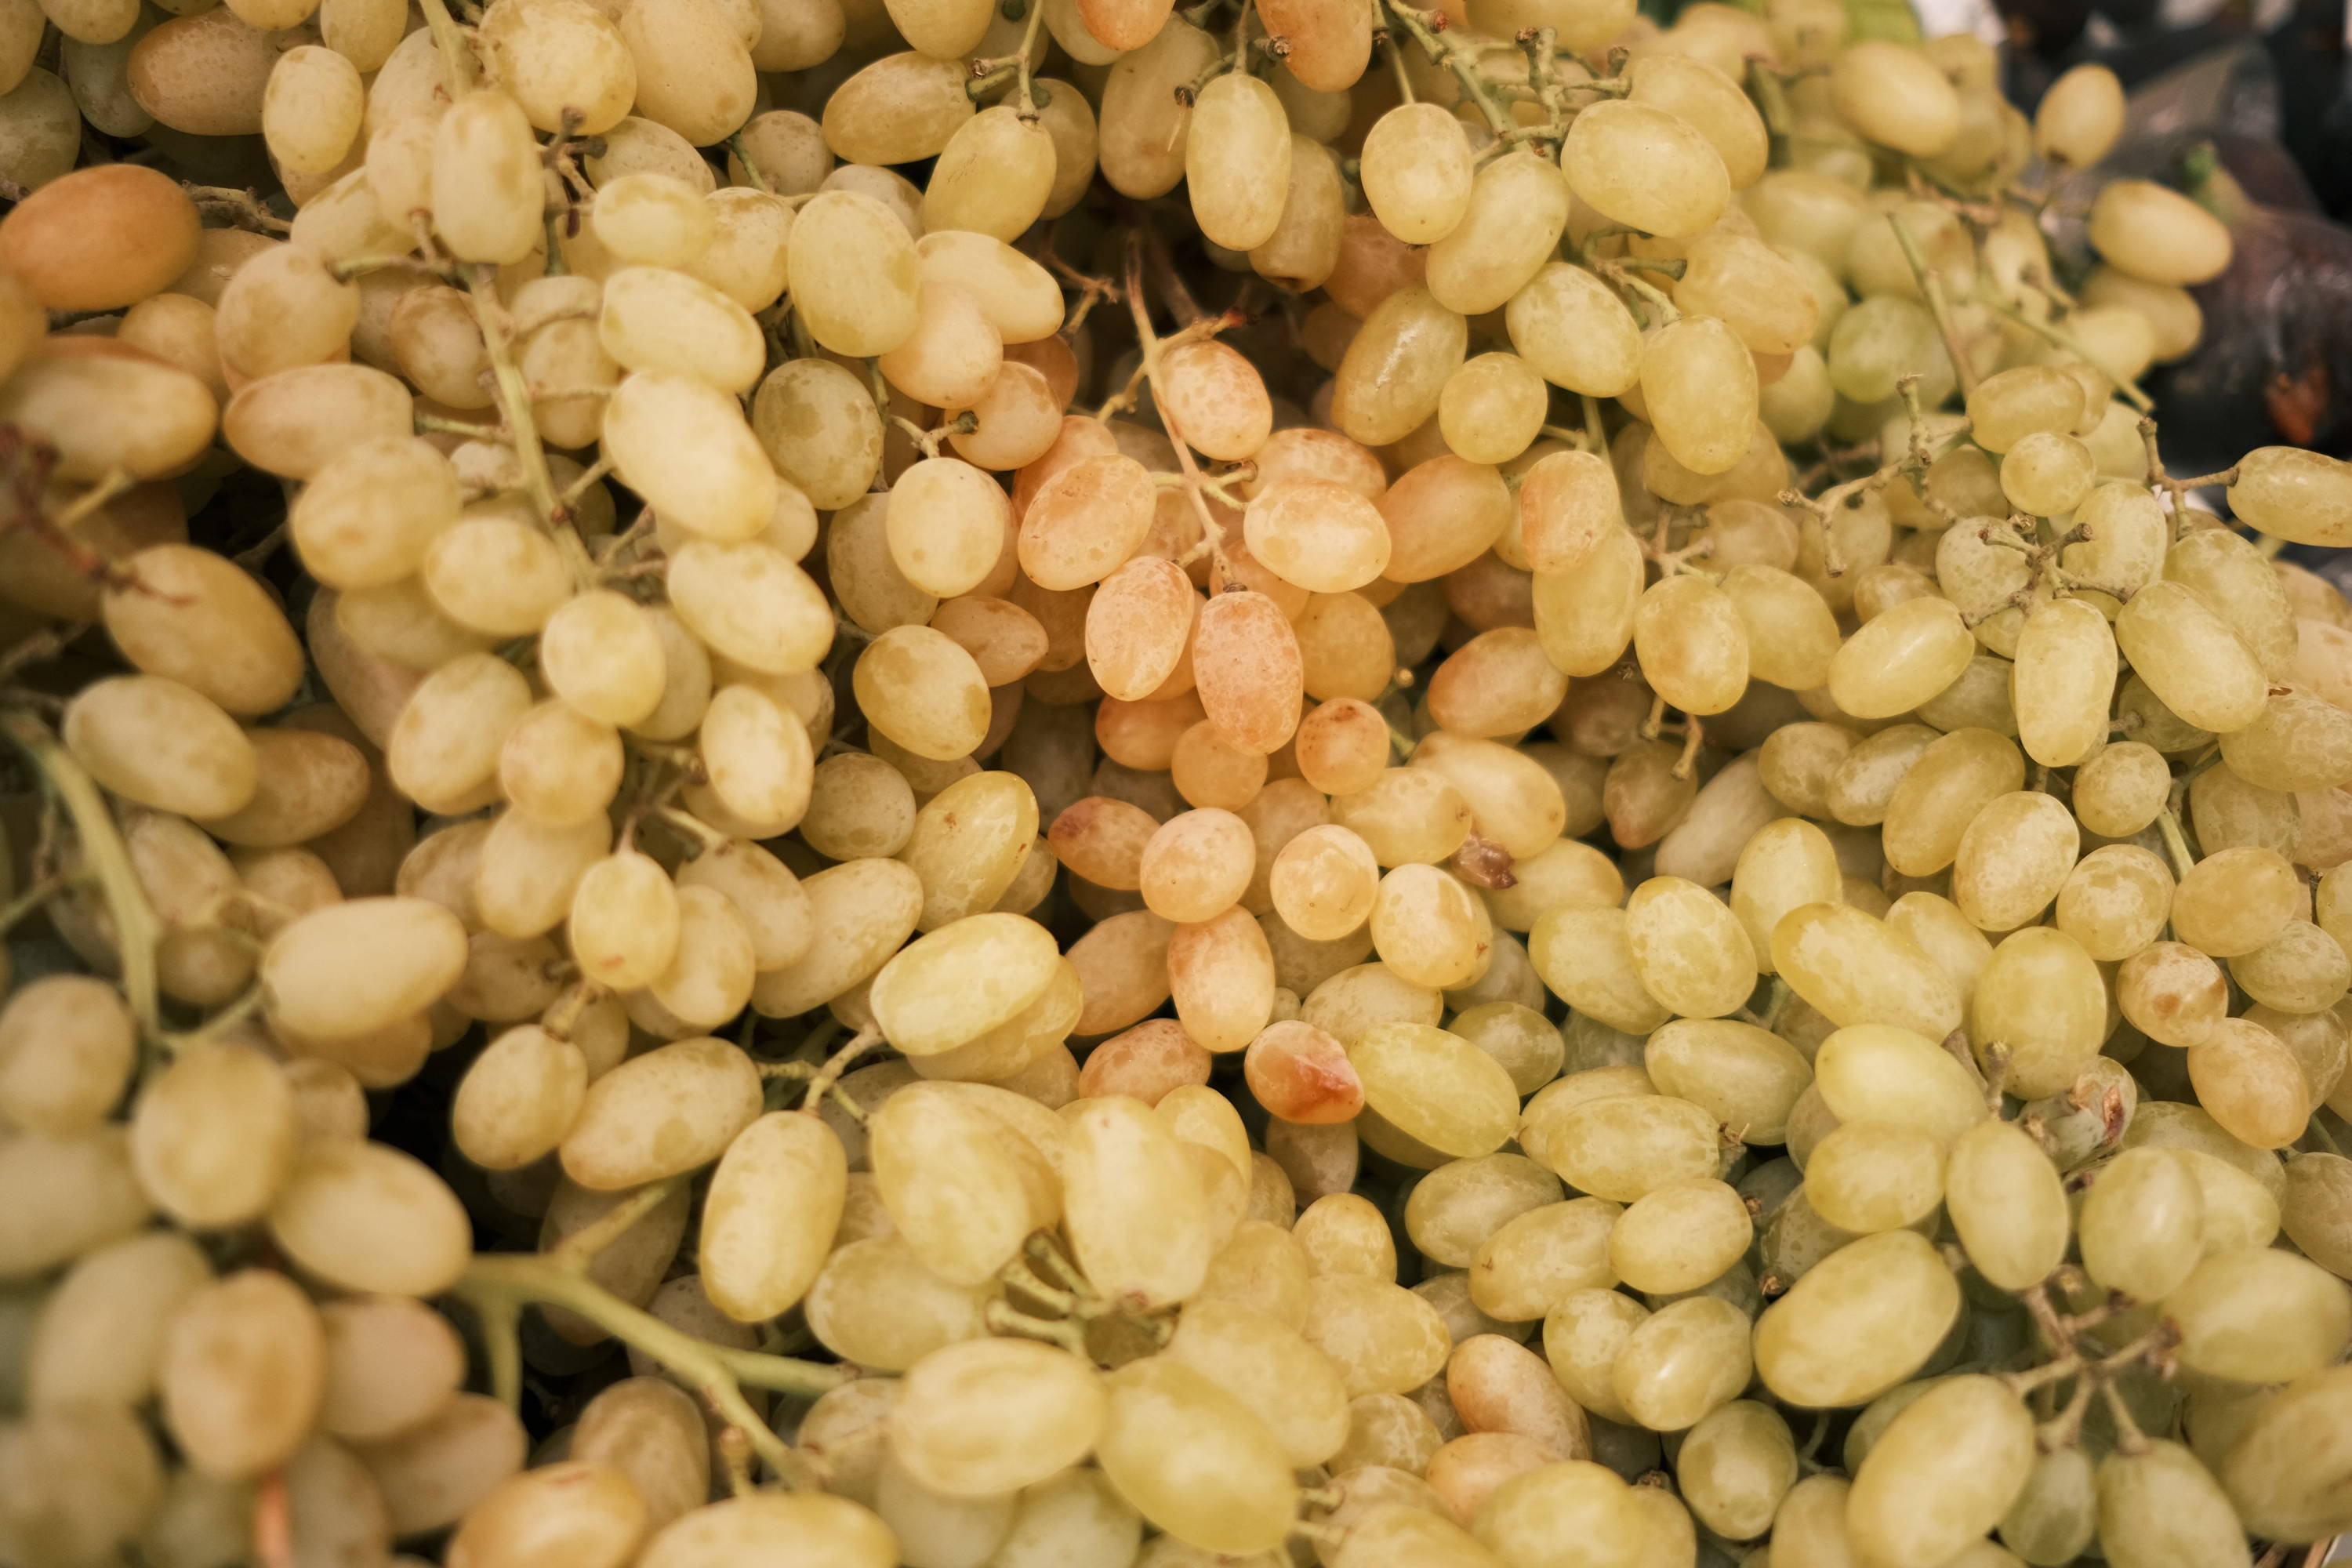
[360, 266]
[246, 1005]
[137, 930]
[522, 430]
[457, 60]
[1012, 1321]
[72, 515]
[1427, 28]
[1764, 85]
[501, 1285]
[1396, 62]
[2070, 343]
[1213, 532]
[32, 898]
[579, 1249]
[1616, 272]
[443, 424]
[736, 145]
[1931, 289]
[502, 1346]
[837, 1064]
[1030, 57]
[2175, 842]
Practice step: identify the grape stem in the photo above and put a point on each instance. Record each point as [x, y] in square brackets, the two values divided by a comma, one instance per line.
[1931, 288]
[927, 441]
[1541, 45]
[1092, 290]
[514, 402]
[1994, 1074]
[1620, 271]
[1380, 35]
[1672, 266]
[640, 528]
[988, 75]
[2176, 843]
[40, 893]
[248, 1003]
[828, 1077]
[457, 59]
[273, 1521]
[2128, 1437]
[2178, 488]
[1018, 1275]
[1213, 532]
[735, 1456]
[1009, 1321]
[581, 1248]
[1771, 92]
[499, 1285]
[137, 930]
[1086, 1304]
[242, 207]
[1199, 330]
[561, 1018]
[704, 837]
[1915, 461]
[74, 512]
[445, 426]
[2066, 340]
[353, 267]
[1775, 999]
[38, 648]
[1321, 1534]
[1428, 29]
[590, 476]
[751, 170]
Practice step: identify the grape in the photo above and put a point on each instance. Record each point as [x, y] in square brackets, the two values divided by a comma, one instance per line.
[214, 1137]
[1417, 172]
[391, 1365]
[1869, 1176]
[1864, 1318]
[67, 1046]
[241, 1371]
[1856, 970]
[771, 1522]
[1397, 366]
[1382, 1338]
[82, 1481]
[2299, 495]
[1237, 161]
[1328, 656]
[1517, 207]
[1293, 1389]
[1241, 1498]
[2006, 1202]
[99, 1339]
[1573, 330]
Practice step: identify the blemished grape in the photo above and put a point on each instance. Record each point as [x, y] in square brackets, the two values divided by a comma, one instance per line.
[1484, 812]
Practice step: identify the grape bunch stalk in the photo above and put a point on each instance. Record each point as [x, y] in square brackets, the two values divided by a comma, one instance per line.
[1299, 784]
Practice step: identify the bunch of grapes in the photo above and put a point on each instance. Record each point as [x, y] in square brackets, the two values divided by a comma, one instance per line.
[805, 784]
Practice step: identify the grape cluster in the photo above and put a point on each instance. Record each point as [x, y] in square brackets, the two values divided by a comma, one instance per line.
[1065, 785]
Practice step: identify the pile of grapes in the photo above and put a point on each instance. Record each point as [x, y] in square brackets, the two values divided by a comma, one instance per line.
[806, 783]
